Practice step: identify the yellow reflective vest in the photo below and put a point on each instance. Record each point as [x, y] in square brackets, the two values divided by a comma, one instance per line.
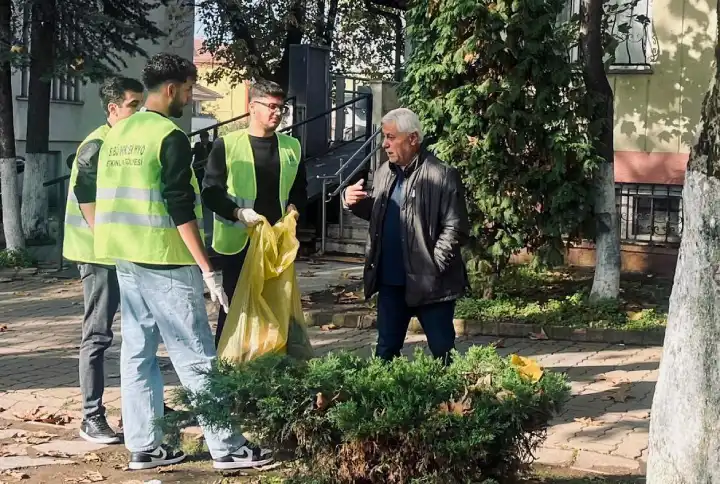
[230, 237]
[131, 218]
[78, 241]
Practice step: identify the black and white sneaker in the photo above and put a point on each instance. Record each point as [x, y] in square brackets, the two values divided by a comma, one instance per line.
[161, 456]
[246, 457]
[96, 430]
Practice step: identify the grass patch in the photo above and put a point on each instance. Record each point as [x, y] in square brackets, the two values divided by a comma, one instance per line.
[16, 259]
[559, 298]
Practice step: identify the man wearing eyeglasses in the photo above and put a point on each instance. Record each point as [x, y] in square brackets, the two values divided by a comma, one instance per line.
[249, 173]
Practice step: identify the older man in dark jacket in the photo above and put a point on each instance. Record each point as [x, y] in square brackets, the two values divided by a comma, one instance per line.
[418, 223]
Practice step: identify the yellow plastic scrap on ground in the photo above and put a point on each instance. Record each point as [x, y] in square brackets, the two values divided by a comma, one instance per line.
[266, 311]
[527, 367]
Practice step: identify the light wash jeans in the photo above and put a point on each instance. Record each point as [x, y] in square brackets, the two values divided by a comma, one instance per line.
[167, 303]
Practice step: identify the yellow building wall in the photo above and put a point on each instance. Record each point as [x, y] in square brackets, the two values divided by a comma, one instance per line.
[234, 101]
[658, 112]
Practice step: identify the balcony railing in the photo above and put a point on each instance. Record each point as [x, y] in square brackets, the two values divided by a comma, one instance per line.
[650, 214]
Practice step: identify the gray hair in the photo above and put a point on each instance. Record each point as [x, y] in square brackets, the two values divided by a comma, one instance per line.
[405, 121]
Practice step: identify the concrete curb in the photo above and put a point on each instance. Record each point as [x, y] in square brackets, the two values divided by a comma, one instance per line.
[469, 327]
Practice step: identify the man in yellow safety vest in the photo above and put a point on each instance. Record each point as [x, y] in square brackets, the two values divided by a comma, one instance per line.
[121, 97]
[249, 173]
[146, 218]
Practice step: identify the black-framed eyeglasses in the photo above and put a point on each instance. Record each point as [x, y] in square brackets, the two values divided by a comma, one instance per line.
[281, 108]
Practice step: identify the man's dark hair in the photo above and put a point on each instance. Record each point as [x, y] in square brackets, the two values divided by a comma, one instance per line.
[114, 88]
[266, 89]
[164, 67]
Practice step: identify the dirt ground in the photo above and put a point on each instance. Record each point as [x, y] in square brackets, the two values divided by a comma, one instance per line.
[109, 465]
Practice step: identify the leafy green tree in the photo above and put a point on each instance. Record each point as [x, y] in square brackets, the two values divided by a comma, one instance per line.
[493, 84]
[252, 40]
[77, 40]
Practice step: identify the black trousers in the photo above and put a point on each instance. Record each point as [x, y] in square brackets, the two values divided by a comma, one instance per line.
[231, 267]
[394, 318]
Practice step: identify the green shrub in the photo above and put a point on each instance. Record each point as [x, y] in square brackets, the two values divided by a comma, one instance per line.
[16, 259]
[356, 420]
[572, 311]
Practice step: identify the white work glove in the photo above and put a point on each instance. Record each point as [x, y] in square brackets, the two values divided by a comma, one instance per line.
[248, 216]
[213, 281]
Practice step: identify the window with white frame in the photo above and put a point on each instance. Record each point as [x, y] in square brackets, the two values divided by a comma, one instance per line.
[65, 87]
[630, 22]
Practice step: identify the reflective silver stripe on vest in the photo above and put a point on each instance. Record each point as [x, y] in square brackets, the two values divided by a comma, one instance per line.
[139, 194]
[144, 220]
[241, 203]
[76, 221]
[130, 193]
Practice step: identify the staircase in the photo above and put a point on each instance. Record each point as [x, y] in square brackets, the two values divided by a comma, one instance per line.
[351, 241]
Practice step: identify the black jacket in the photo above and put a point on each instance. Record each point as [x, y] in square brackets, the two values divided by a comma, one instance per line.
[434, 224]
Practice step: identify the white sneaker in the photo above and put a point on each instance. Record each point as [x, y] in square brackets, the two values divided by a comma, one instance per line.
[246, 457]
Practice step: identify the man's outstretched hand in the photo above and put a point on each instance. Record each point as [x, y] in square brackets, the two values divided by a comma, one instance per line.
[355, 193]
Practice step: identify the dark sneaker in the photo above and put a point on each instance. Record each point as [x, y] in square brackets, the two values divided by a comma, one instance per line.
[246, 457]
[161, 456]
[97, 430]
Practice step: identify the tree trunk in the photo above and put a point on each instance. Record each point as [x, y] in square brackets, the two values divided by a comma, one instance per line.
[684, 440]
[606, 283]
[35, 199]
[294, 35]
[8, 170]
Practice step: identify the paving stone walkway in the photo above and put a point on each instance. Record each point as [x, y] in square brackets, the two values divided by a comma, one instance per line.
[603, 428]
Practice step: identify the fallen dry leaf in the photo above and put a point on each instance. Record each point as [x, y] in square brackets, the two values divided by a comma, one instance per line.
[307, 274]
[3, 328]
[39, 415]
[483, 383]
[590, 422]
[91, 457]
[348, 297]
[503, 395]
[21, 293]
[51, 453]
[620, 395]
[634, 315]
[527, 367]
[13, 450]
[321, 401]
[539, 336]
[17, 475]
[473, 140]
[328, 327]
[460, 407]
[499, 343]
[94, 476]
[89, 476]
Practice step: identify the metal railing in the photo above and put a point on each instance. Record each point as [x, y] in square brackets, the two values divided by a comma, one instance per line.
[649, 213]
[370, 148]
[298, 128]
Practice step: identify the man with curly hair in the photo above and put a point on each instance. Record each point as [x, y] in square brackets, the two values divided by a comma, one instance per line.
[147, 218]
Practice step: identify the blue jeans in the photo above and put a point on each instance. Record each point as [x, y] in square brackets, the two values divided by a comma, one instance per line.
[167, 304]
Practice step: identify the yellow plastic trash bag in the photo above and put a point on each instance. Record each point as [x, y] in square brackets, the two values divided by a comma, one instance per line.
[527, 367]
[266, 311]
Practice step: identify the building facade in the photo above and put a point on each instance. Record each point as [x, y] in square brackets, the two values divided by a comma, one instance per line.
[75, 108]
